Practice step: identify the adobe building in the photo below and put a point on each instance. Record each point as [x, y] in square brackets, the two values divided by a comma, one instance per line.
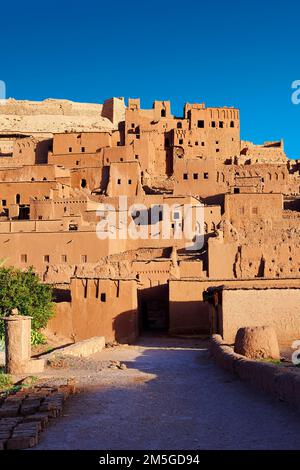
[66, 168]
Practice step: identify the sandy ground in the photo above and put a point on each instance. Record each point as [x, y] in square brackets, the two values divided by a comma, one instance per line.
[171, 396]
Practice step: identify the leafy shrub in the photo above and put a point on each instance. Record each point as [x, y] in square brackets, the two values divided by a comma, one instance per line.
[24, 291]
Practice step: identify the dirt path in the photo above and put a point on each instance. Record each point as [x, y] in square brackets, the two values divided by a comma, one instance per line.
[172, 396]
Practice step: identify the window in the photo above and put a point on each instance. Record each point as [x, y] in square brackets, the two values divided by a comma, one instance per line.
[231, 123]
[103, 297]
[83, 258]
[163, 113]
[176, 215]
[213, 123]
[40, 217]
[70, 149]
[201, 124]
[180, 141]
[3, 202]
[136, 157]
[196, 143]
[77, 162]
[119, 181]
[195, 176]
[32, 179]
[18, 198]
[221, 124]
[202, 143]
[217, 150]
[46, 258]
[23, 258]
[83, 149]
[137, 136]
[132, 125]
[217, 142]
[185, 176]
[83, 183]
[236, 190]
[179, 125]
[167, 142]
[205, 176]
[64, 258]
[129, 181]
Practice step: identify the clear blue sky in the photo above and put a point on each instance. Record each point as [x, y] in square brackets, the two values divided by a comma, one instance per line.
[239, 53]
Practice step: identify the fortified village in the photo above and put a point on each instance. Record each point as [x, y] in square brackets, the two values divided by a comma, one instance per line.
[61, 162]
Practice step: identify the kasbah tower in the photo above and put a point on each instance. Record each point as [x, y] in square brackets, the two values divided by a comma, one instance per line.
[64, 164]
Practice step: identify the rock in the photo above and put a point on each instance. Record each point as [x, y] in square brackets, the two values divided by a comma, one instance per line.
[259, 342]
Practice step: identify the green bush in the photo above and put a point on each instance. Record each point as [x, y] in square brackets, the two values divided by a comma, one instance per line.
[24, 291]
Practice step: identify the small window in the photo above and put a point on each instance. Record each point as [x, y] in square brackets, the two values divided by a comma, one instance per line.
[83, 183]
[83, 258]
[46, 258]
[40, 217]
[195, 176]
[118, 144]
[231, 123]
[129, 181]
[176, 216]
[213, 123]
[217, 150]
[121, 159]
[138, 136]
[196, 143]
[217, 142]
[3, 202]
[18, 198]
[83, 149]
[23, 258]
[70, 149]
[221, 124]
[119, 181]
[64, 258]
[163, 113]
[103, 297]
[77, 162]
[136, 157]
[179, 125]
[202, 143]
[236, 190]
[201, 124]
[32, 179]
[132, 125]
[185, 176]
[180, 141]
[205, 176]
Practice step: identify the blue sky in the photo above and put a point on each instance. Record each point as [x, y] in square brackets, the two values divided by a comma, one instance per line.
[234, 53]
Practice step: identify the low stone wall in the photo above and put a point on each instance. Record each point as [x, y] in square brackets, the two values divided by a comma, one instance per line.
[281, 383]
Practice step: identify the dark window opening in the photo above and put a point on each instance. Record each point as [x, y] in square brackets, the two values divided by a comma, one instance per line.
[103, 297]
[231, 123]
[46, 258]
[221, 124]
[236, 190]
[179, 125]
[3, 202]
[195, 176]
[205, 176]
[18, 198]
[23, 258]
[196, 143]
[83, 183]
[201, 124]
[83, 149]
[119, 181]
[129, 181]
[180, 141]
[163, 113]
[213, 123]
[64, 258]
[83, 258]
[70, 149]
[185, 176]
